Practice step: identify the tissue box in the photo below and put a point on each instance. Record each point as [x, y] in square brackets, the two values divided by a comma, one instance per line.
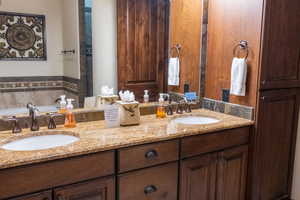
[129, 113]
[106, 100]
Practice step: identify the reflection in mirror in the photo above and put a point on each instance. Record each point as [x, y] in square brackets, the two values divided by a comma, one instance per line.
[124, 44]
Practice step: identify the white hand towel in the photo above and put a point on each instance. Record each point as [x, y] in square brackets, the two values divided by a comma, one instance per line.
[174, 71]
[238, 77]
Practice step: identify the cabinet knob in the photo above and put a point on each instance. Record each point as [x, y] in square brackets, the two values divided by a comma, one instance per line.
[150, 189]
[151, 154]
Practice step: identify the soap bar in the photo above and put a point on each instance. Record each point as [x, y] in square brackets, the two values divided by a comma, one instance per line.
[191, 96]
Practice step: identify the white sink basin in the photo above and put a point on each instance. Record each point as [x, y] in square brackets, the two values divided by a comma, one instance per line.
[40, 142]
[196, 120]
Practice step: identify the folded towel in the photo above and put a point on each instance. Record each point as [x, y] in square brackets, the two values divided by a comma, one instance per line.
[238, 77]
[174, 71]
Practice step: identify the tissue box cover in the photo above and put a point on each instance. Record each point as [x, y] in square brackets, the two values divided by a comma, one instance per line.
[129, 113]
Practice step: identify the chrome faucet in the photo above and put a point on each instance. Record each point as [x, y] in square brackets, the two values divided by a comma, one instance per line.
[33, 111]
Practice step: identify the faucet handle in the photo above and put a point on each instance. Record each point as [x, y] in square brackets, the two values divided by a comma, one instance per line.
[52, 124]
[179, 109]
[15, 123]
[188, 108]
[169, 109]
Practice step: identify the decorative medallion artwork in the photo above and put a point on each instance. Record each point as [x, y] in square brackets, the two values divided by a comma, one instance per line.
[22, 37]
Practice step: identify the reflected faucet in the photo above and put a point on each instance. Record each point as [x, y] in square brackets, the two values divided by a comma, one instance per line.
[33, 111]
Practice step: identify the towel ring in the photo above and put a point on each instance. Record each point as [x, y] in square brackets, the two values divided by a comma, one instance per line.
[243, 45]
[177, 48]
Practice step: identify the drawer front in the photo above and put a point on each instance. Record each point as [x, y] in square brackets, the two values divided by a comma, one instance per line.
[36, 177]
[157, 183]
[148, 155]
[196, 145]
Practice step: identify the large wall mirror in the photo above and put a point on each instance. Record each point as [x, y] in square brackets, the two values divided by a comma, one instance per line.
[124, 44]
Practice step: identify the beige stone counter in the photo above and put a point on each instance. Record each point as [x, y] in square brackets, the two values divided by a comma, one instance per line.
[95, 138]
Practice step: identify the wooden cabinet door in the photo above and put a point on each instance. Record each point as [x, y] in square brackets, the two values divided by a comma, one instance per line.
[281, 45]
[142, 45]
[275, 139]
[232, 174]
[101, 189]
[198, 178]
[47, 195]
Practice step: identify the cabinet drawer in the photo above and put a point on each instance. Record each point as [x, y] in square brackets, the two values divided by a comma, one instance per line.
[196, 145]
[148, 155]
[157, 183]
[36, 177]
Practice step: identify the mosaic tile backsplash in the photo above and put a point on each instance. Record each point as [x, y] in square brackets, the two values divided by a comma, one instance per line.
[228, 108]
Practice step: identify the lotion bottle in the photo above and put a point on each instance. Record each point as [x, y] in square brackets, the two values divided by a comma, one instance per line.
[161, 111]
[146, 96]
[70, 121]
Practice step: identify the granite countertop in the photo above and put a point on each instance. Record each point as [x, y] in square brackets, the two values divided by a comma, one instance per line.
[94, 137]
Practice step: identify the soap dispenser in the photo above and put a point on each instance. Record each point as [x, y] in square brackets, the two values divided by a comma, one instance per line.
[161, 111]
[70, 121]
[62, 104]
[146, 96]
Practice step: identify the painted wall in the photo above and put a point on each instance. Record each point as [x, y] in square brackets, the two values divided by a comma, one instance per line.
[54, 65]
[71, 38]
[104, 44]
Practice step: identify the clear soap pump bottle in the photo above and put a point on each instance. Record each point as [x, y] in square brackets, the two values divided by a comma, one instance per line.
[62, 104]
[146, 96]
[70, 121]
[161, 111]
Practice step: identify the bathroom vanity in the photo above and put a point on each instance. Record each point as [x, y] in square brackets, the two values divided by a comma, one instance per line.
[157, 160]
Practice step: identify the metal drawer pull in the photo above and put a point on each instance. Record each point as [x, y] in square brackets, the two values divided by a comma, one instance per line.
[151, 154]
[150, 189]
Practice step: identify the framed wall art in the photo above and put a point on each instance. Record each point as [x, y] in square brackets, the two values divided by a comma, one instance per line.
[22, 37]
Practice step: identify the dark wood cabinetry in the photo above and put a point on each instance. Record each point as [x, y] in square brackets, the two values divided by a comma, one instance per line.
[101, 189]
[281, 45]
[148, 155]
[211, 166]
[198, 178]
[232, 174]
[220, 176]
[47, 195]
[157, 183]
[274, 148]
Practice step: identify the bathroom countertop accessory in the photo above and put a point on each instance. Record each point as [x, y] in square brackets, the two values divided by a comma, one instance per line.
[16, 128]
[33, 112]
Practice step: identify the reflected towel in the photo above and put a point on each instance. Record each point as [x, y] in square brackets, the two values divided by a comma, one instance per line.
[174, 71]
[238, 77]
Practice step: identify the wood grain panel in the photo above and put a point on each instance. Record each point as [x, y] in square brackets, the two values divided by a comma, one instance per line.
[196, 145]
[32, 178]
[148, 155]
[46, 195]
[143, 45]
[162, 179]
[229, 22]
[186, 30]
[100, 189]
[198, 178]
[275, 140]
[232, 174]
[281, 45]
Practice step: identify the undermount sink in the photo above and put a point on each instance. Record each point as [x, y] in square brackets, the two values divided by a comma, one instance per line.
[40, 142]
[196, 120]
